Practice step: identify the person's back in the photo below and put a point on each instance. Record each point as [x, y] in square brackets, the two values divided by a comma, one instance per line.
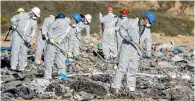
[17, 18]
[42, 37]
[132, 28]
[121, 31]
[58, 29]
[47, 24]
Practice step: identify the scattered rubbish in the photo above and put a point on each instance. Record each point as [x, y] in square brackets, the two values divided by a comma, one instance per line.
[87, 79]
[177, 58]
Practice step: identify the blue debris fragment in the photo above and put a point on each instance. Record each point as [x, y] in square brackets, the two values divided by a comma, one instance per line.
[62, 76]
[4, 48]
[177, 49]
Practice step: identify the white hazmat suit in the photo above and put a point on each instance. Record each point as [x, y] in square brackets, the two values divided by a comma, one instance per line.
[129, 55]
[41, 44]
[64, 35]
[109, 43]
[25, 26]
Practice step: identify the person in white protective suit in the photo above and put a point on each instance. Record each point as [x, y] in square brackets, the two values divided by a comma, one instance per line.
[121, 32]
[42, 37]
[62, 34]
[78, 27]
[109, 42]
[138, 34]
[86, 21]
[25, 25]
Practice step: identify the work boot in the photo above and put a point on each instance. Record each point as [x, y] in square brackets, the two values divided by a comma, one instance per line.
[132, 89]
[115, 87]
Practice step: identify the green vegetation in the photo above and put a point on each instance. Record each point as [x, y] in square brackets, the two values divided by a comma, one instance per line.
[166, 24]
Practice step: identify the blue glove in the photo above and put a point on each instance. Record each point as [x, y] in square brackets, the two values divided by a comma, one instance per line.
[149, 54]
[146, 55]
[62, 76]
[121, 16]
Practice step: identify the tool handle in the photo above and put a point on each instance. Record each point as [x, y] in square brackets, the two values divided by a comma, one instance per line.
[8, 33]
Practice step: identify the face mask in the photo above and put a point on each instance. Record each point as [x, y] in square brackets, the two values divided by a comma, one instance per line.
[147, 25]
[34, 18]
[74, 25]
[85, 22]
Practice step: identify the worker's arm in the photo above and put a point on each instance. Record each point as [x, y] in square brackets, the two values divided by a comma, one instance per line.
[148, 41]
[52, 29]
[44, 27]
[80, 27]
[33, 31]
[72, 36]
[101, 18]
[87, 28]
[14, 20]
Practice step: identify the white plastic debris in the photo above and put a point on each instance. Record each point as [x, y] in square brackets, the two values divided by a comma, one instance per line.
[177, 58]
[40, 82]
[173, 75]
[186, 77]
[165, 64]
[115, 67]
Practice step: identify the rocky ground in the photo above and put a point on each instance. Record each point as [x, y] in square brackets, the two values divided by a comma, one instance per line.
[90, 78]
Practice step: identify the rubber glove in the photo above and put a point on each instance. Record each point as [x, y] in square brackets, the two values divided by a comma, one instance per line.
[70, 55]
[51, 41]
[144, 54]
[100, 14]
[27, 44]
[43, 37]
[148, 54]
[13, 27]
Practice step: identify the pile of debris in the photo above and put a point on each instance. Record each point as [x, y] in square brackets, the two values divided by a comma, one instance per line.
[90, 76]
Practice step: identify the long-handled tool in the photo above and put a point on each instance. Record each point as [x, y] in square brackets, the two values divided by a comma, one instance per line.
[104, 60]
[25, 40]
[8, 33]
[64, 52]
[143, 50]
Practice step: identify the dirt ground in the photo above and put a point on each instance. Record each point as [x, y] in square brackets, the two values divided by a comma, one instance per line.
[94, 100]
